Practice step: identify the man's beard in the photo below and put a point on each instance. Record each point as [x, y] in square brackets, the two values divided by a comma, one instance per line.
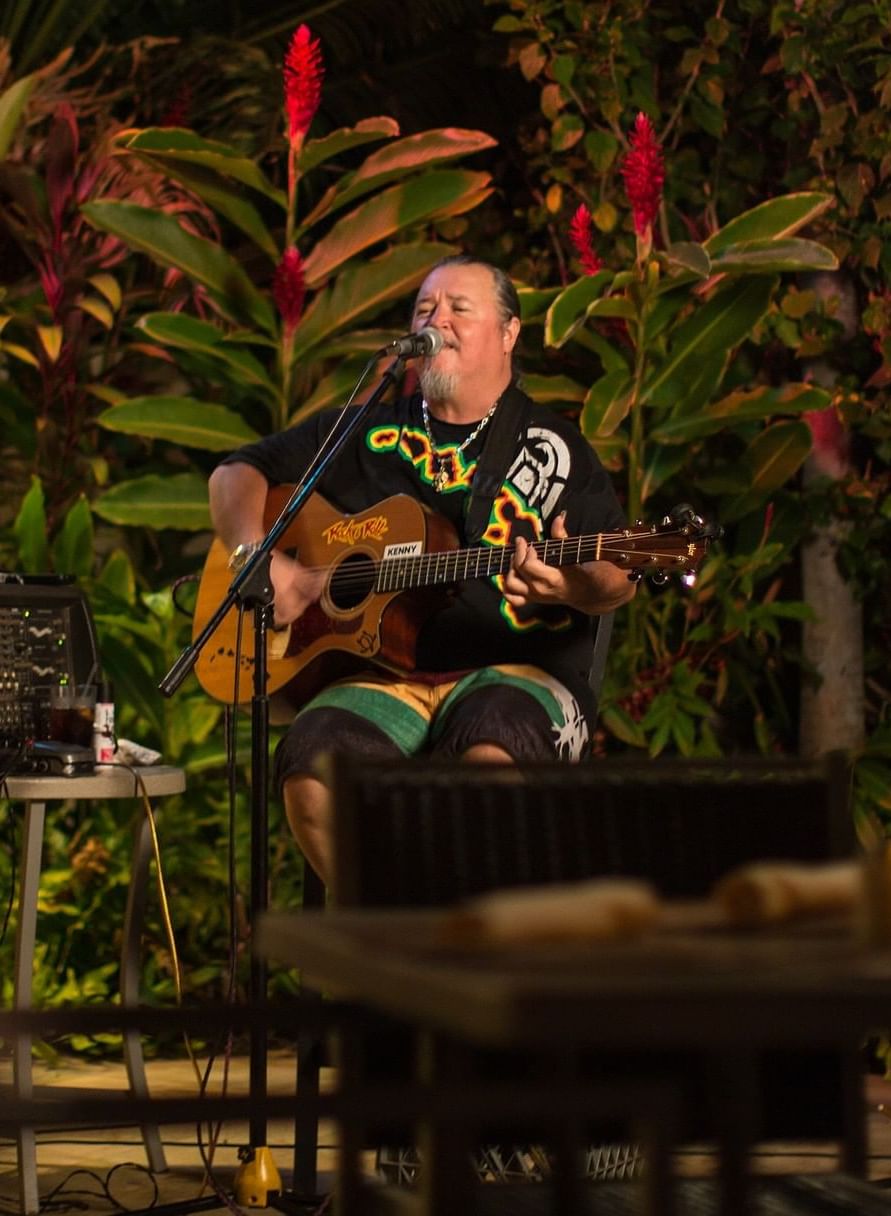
[436, 384]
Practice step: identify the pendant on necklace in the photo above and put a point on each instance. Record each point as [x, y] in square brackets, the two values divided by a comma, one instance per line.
[440, 479]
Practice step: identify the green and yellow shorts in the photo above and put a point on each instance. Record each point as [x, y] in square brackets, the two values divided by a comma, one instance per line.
[521, 709]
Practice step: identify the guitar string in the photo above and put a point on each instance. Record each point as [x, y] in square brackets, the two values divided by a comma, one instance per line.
[427, 563]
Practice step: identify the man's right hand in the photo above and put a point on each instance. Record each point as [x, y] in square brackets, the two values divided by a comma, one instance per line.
[296, 587]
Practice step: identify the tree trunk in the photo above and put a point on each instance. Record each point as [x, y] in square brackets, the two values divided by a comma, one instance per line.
[832, 700]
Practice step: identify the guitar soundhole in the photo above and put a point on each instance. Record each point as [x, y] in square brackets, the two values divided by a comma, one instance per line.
[352, 581]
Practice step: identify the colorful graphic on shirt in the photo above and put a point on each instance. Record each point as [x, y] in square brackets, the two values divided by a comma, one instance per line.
[414, 446]
[534, 483]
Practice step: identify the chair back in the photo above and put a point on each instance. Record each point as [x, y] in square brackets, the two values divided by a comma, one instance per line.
[424, 834]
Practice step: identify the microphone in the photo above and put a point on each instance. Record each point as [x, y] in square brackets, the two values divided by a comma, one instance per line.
[425, 343]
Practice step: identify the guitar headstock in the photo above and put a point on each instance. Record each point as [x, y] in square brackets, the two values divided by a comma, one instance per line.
[676, 545]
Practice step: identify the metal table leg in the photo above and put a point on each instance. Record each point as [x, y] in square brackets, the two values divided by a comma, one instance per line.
[26, 933]
[134, 917]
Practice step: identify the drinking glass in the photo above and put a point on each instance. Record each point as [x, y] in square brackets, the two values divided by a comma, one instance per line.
[71, 714]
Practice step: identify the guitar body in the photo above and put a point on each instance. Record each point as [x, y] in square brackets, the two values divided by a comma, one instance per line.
[352, 625]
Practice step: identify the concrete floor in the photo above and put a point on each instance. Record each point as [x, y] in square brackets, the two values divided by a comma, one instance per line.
[99, 1152]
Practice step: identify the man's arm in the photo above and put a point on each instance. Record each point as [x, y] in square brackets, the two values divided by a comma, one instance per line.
[591, 587]
[237, 501]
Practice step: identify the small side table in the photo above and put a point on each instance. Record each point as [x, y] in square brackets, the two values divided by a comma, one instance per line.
[35, 791]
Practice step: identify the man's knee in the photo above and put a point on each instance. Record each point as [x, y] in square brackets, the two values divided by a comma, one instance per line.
[487, 753]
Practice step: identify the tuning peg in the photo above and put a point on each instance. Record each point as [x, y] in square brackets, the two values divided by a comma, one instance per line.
[659, 577]
[689, 577]
[683, 513]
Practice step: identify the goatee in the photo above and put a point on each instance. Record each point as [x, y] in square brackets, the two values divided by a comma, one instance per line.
[437, 385]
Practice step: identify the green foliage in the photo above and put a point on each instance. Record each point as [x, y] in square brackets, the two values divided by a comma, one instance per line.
[773, 118]
[247, 356]
[120, 378]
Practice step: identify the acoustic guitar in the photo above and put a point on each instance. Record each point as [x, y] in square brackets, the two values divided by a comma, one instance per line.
[386, 569]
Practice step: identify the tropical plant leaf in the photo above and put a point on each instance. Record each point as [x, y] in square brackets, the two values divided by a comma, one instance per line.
[465, 202]
[364, 289]
[445, 191]
[107, 286]
[165, 241]
[773, 256]
[396, 160]
[117, 576]
[178, 500]
[535, 301]
[188, 333]
[223, 198]
[774, 457]
[170, 144]
[620, 723]
[613, 359]
[12, 106]
[689, 257]
[29, 530]
[662, 464]
[742, 406]
[607, 403]
[610, 449]
[73, 551]
[778, 217]
[692, 394]
[719, 325]
[20, 352]
[553, 389]
[316, 151]
[612, 306]
[180, 420]
[97, 308]
[335, 388]
[360, 341]
[570, 308]
[134, 685]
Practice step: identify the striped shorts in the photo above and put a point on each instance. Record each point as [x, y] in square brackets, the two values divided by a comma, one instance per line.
[519, 708]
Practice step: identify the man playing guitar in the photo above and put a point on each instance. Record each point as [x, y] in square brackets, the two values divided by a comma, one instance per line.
[500, 665]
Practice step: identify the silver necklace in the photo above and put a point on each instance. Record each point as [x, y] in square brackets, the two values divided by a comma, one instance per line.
[441, 476]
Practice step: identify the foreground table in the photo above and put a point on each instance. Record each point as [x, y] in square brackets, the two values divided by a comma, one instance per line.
[722, 995]
[35, 792]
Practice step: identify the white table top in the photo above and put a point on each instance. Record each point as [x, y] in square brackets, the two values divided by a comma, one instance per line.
[108, 781]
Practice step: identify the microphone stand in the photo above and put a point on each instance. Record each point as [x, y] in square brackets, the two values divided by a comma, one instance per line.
[252, 588]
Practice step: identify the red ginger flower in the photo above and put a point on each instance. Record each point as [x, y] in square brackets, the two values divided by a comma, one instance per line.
[289, 288]
[581, 230]
[303, 72]
[644, 174]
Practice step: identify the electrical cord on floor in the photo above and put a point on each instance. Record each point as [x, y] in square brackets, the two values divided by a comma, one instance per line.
[63, 1198]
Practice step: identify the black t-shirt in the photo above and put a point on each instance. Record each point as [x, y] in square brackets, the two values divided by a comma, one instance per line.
[553, 470]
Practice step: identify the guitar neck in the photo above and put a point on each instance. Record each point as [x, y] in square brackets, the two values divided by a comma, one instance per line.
[485, 561]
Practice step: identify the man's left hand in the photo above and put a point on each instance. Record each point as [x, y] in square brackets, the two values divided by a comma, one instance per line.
[592, 587]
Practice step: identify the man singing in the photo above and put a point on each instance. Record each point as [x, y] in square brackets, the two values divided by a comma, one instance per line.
[501, 669]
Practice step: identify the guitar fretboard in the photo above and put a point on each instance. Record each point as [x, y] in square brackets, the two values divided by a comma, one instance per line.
[457, 565]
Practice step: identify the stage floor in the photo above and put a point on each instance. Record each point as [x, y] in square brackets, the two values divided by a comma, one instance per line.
[97, 1153]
